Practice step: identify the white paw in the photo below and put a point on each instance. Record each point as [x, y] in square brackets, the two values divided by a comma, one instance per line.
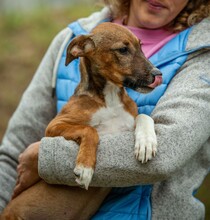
[145, 138]
[83, 175]
[145, 146]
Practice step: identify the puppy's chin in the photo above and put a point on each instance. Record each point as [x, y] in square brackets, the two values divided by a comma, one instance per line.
[144, 89]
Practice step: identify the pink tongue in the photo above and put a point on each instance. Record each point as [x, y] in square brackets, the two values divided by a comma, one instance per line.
[157, 82]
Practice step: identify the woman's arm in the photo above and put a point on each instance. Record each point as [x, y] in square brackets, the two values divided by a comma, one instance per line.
[182, 124]
[28, 123]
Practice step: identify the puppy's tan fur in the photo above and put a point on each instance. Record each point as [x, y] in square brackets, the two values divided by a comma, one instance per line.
[111, 58]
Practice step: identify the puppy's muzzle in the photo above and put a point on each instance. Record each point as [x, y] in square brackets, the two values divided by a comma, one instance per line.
[146, 85]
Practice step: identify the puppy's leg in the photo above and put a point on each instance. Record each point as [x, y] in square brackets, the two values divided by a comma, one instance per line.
[88, 139]
[145, 138]
[86, 158]
[52, 202]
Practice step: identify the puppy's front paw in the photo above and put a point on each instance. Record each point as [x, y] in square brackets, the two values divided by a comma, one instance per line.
[145, 147]
[83, 175]
[145, 138]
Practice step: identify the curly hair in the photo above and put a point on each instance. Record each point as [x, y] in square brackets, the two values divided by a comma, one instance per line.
[193, 13]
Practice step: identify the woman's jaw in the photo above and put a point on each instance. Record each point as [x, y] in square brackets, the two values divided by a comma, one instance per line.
[154, 14]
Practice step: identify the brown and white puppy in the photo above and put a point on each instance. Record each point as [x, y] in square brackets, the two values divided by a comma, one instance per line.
[110, 58]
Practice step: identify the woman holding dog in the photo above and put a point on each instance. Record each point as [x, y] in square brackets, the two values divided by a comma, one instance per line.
[175, 36]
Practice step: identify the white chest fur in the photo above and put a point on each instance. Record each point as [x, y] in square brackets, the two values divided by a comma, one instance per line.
[113, 118]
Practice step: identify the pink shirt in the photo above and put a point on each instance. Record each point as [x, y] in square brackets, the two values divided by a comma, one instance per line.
[152, 40]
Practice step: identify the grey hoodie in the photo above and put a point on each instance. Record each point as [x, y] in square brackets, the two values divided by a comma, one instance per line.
[182, 123]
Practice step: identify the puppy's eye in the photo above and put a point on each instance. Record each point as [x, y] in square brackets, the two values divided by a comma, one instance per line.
[123, 50]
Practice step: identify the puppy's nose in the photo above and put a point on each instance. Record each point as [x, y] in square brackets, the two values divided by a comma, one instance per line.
[156, 72]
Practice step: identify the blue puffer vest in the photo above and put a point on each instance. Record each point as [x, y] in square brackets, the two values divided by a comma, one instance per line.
[128, 203]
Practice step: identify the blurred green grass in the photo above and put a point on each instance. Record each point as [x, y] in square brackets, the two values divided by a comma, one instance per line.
[24, 38]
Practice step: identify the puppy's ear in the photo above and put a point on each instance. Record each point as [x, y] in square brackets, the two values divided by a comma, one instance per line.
[79, 47]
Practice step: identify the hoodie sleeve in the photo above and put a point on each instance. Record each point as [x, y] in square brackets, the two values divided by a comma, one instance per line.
[182, 125]
[28, 123]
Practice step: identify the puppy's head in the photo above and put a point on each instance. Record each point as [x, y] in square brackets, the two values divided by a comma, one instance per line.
[115, 53]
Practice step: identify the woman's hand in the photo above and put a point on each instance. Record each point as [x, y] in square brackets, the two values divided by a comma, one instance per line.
[27, 169]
